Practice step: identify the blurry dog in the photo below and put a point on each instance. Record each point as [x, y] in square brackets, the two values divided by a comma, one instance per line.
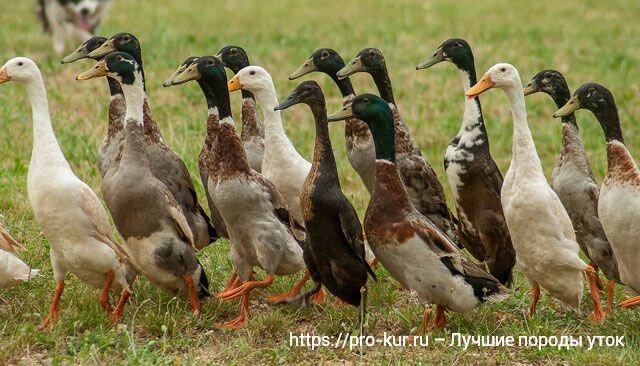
[71, 18]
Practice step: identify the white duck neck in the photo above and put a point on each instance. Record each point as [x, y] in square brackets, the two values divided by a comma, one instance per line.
[46, 150]
[523, 149]
[273, 131]
[134, 97]
[472, 115]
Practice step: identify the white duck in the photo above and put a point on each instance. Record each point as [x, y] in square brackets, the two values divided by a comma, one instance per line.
[541, 231]
[282, 164]
[13, 271]
[70, 214]
[618, 206]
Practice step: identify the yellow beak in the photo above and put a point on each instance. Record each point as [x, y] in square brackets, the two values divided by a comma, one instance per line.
[234, 84]
[3, 76]
[572, 105]
[344, 113]
[106, 48]
[306, 68]
[481, 86]
[99, 69]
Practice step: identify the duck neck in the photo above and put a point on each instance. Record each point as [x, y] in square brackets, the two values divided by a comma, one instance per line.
[389, 194]
[523, 147]
[44, 140]
[134, 97]
[607, 115]
[323, 152]
[345, 86]
[561, 96]
[472, 117]
[383, 83]
[229, 152]
[272, 118]
[114, 87]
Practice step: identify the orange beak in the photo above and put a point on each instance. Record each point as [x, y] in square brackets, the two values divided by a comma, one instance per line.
[234, 84]
[481, 86]
[3, 76]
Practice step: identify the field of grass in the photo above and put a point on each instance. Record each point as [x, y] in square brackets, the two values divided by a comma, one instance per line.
[587, 40]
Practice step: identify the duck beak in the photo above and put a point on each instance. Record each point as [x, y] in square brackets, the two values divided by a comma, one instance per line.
[219, 57]
[572, 105]
[351, 68]
[99, 69]
[531, 88]
[78, 54]
[437, 57]
[306, 68]
[292, 99]
[481, 86]
[3, 76]
[344, 113]
[184, 75]
[234, 84]
[106, 48]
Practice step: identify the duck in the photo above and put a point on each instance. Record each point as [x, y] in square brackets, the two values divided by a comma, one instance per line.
[13, 271]
[474, 177]
[147, 216]
[166, 164]
[68, 211]
[421, 181]
[206, 156]
[282, 164]
[406, 242]
[334, 246]
[541, 230]
[111, 142]
[235, 59]
[259, 222]
[619, 196]
[573, 182]
[359, 143]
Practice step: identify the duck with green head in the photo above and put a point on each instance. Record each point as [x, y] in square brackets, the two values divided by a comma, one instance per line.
[407, 243]
[235, 58]
[109, 147]
[259, 224]
[334, 246]
[156, 233]
[360, 150]
[419, 178]
[573, 182]
[165, 163]
[619, 200]
[474, 177]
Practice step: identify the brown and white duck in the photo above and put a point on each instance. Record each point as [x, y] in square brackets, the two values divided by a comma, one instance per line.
[165, 164]
[619, 201]
[157, 236]
[424, 190]
[474, 177]
[256, 215]
[573, 182]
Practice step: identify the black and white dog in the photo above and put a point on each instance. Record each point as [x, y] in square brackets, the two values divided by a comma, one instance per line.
[71, 18]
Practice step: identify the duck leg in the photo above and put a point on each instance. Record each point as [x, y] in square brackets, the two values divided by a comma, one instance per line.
[192, 294]
[535, 296]
[241, 320]
[54, 310]
[320, 297]
[426, 315]
[104, 294]
[630, 303]
[246, 287]
[122, 301]
[610, 284]
[232, 283]
[441, 317]
[295, 291]
[598, 281]
[598, 314]
[363, 309]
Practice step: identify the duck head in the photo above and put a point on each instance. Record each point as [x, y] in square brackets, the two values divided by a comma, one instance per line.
[209, 72]
[454, 50]
[120, 66]
[183, 66]
[599, 100]
[20, 69]
[251, 78]
[307, 92]
[368, 60]
[377, 114]
[122, 42]
[502, 76]
[233, 57]
[325, 60]
[84, 49]
[550, 82]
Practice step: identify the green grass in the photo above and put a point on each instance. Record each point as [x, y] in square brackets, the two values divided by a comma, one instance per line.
[587, 40]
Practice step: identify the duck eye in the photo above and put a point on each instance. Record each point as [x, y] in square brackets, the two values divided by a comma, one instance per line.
[127, 39]
[210, 63]
[503, 69]
[366, 100]
[325, 54]
[252, 72]
[372, 53]
[234, 51]
[20, 63]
